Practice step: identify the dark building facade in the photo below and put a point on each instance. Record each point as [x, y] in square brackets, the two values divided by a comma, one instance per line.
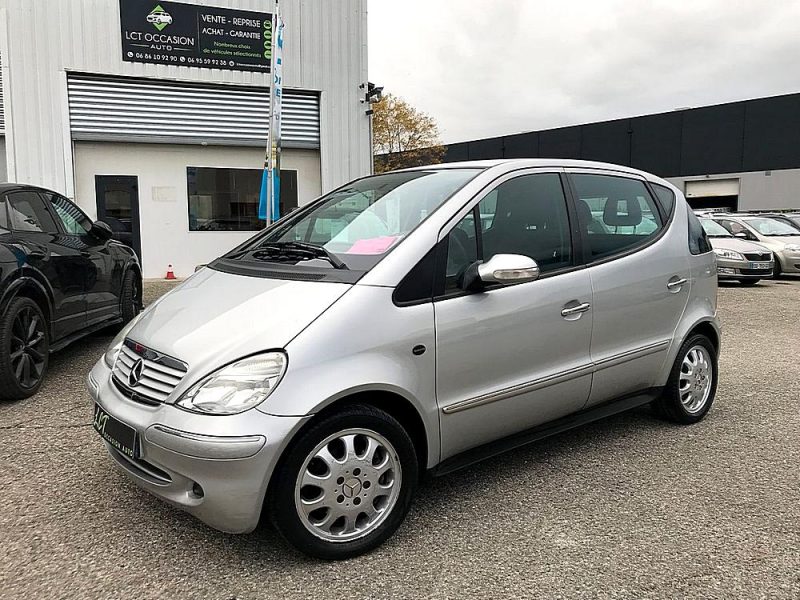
[740, 155]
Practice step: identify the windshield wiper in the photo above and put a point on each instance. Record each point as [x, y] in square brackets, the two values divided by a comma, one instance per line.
[301, 250]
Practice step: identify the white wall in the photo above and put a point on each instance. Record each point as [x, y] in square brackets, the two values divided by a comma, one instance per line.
[758, 189]
[163, 194]
[40, 40]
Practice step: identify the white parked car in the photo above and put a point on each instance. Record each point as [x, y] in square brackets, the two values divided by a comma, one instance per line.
[160, 18]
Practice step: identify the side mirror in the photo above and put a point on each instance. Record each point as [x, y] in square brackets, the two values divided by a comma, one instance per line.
[741, 235]
[102, 231]
[503, 269]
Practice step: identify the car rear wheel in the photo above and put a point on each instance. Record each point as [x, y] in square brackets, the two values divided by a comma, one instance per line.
[692, 383]
[345, 485]
[24, 349]
[749, 281]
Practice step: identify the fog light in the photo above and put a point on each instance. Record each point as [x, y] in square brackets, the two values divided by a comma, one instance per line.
[726, 271]
[197, 490]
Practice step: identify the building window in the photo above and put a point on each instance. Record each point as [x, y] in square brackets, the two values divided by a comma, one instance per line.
[227, 199]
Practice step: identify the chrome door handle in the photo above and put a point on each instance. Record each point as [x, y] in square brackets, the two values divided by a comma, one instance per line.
[676, 283]
[574, 310]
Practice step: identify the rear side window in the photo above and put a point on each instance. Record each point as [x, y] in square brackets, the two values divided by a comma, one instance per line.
[698, 239]
[666, 198]
[618, 214]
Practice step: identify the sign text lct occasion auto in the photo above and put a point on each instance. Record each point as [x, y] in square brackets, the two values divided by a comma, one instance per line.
[186, 35]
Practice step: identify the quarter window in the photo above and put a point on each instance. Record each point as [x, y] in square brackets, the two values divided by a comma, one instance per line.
[617, 213]
[698, 238]
[666, 198]
[29, 213]
[526, 215]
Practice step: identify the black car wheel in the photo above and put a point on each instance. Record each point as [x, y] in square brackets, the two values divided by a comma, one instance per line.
[129, 297]
[24, 349]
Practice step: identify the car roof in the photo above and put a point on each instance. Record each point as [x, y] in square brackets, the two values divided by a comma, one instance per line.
[12, 187]
[511, 164]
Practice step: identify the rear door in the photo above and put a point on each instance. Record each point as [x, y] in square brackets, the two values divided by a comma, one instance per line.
[103, 277]
[508, 358]
[44, 249]
[638, 263]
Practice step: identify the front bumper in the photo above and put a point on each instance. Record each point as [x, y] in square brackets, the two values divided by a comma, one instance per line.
[737, 269]
[216, 468]
[790, 261]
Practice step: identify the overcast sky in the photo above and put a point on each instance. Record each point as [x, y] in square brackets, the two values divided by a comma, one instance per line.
[503, 66]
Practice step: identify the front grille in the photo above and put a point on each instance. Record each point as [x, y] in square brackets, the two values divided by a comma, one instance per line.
[755, 271]
[759, 256]
[157, 377]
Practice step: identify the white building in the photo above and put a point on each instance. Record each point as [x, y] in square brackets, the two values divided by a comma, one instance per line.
[104, 102]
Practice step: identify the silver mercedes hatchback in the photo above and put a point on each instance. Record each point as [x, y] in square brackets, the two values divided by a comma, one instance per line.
[407, 323]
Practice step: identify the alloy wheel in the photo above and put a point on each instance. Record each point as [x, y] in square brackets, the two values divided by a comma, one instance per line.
[28, 351]
[696, 378]
[348, 485]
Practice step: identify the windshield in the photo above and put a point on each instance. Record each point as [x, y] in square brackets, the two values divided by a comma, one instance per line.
[768, 226]
[714, 229]
[355, 226]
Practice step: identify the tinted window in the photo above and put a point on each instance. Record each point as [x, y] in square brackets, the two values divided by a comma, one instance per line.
[526, 215]
[666, 198]
[28, 213]
[227, 199]
[72, 217]
[617, 213]
[698, 240]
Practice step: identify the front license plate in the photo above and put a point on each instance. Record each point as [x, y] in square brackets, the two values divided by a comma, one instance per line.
[122, 437]
[759, 265]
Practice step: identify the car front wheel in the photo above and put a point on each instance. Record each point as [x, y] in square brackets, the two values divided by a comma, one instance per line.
[345, 484]
[129, 297]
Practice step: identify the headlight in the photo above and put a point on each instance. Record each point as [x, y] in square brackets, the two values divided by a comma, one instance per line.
[238, 387]
[792, 247]
[728, 254]
[110, 357]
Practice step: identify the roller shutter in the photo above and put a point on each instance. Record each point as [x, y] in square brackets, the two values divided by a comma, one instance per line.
[146, 110]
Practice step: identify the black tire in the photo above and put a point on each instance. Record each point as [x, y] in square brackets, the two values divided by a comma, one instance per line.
[749, 281]
[281, 498]
[129, 297]
[669, 406]
[777, 272]
[24, 349]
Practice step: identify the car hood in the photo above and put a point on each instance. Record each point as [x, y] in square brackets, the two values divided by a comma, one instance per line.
[778, 242]
[736, 244]
[214, 318]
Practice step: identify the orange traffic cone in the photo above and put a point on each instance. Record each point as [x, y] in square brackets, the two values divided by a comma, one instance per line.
[170, 273]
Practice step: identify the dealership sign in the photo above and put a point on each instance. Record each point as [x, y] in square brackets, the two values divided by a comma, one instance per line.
[185, 35]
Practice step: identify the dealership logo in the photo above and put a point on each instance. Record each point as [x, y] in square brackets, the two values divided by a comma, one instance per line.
[159, 18]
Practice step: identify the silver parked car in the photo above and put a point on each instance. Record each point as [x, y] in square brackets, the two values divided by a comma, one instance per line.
[413, 321]
[780, 236]
[738, 259]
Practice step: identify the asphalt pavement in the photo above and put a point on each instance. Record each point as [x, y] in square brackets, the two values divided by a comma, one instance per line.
[630, 507]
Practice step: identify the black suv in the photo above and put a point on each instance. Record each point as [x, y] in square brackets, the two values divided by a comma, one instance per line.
[61, 277]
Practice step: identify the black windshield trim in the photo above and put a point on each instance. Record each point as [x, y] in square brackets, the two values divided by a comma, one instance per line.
[271, 270]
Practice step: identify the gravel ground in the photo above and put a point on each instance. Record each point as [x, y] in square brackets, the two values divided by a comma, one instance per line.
[629, 507]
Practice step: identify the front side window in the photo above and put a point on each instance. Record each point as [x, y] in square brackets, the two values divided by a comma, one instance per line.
[617, 213]
[355, 226]
[526, 215]
[738, 229]
[227, 199]
[29, 213]
[74, 220]
[714, 229]
[771, 227]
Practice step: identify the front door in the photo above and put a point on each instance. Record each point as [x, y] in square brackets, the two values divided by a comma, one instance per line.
[510, 358]
[118, 206]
